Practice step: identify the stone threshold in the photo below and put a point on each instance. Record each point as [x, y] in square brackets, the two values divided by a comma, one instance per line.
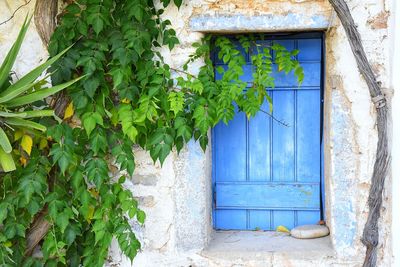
[265, 245]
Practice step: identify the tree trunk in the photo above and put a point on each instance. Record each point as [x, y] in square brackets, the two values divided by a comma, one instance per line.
[370, 236]
[37, 232]
[45, 18]
[45, 21]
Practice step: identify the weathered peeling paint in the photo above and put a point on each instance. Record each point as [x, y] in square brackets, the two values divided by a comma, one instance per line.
[191, 184]
[343, 176]
[264, 23]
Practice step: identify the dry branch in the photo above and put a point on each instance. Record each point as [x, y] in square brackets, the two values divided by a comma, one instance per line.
[370, 236]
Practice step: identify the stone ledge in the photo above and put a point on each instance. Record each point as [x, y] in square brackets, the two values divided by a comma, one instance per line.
[264, 23]
[258, 245]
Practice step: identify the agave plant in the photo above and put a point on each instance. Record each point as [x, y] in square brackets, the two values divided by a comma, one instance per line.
[17, 109]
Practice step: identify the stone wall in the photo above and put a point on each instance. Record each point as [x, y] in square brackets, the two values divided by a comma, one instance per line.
[177, 197]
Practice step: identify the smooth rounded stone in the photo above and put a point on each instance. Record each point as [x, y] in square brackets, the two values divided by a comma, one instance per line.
[309, 231]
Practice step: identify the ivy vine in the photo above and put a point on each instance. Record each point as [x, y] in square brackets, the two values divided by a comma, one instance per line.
[129, 96]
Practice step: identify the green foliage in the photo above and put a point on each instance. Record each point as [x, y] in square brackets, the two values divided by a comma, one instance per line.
[128, 97]
[21, 101]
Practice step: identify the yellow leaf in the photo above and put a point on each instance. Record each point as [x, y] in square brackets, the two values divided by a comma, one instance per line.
[125, 100]
[26, 143]
[69, 111]
[94, 193]
[7, 244]
[18, 134]
[23, 161]
[282, 229]
[43, 143]
[89, 216]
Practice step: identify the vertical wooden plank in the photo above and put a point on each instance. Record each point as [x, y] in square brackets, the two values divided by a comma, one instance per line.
[308, 135]
[283, 136]
[307, 217]
[310, 49]
[259, 146]
[260, 220]
[230, 219]
[283, 217]
[230, 152]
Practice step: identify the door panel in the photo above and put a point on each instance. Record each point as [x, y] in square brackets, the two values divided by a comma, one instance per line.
[267, 174]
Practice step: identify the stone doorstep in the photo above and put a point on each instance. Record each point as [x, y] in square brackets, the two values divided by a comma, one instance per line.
[260, 245]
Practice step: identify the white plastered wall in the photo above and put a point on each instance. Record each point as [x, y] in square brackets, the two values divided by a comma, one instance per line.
[177, 197]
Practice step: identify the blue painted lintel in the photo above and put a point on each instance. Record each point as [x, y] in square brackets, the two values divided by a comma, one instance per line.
[263, 23]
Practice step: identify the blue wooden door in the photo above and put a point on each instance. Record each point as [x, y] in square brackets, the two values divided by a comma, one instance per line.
[266, 174]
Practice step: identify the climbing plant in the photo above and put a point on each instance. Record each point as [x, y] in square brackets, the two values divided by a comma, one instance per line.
[128, 96]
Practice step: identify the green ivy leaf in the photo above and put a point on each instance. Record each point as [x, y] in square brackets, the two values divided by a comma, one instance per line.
[62, 221]
[3, 211]
[178, 3]
[98, 141]
[96, 20]
[97, 171]
[165, 2]
[90, 120]
[138, 12]
[141, 216]
[176, 100]
[62, 155]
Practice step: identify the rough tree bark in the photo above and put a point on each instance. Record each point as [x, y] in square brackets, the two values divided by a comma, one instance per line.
[370, 236]
[45, 18]
[37, 231]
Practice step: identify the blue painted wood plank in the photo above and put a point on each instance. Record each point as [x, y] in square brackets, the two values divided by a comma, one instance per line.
[230, 153]
[231, 219]
[308, 136]
[283, 217]
[268, 195]
[312, 76]
[259, 219]
[283, 167]
[307, 217]
[260, 146]
[310, 50]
